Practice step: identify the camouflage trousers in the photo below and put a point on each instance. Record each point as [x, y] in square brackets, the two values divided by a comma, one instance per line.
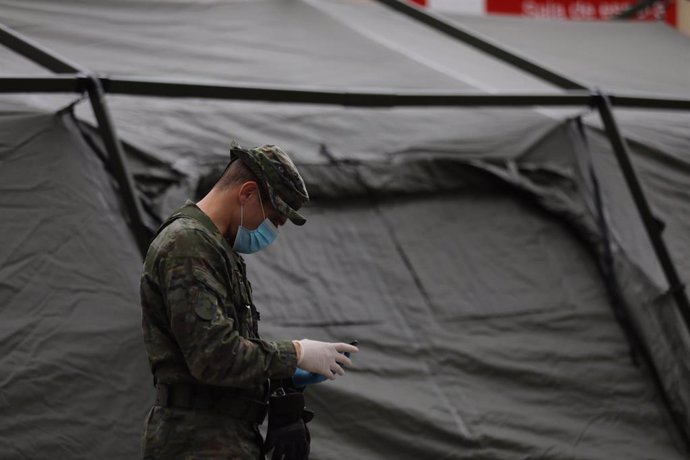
[172, 434]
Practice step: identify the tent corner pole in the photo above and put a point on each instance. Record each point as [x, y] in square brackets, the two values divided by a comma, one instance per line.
[116, 155]
[652, 225]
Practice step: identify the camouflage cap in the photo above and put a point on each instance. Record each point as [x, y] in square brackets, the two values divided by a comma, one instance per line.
[278, 174]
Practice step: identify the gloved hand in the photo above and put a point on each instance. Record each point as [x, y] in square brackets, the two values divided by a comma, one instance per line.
[324, 358]
[302, 378]
[287, 432]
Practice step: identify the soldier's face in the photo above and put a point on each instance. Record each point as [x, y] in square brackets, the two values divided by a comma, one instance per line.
[256, 210]
[276, 218]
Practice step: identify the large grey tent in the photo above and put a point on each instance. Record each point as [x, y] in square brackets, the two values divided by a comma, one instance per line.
[491, 261]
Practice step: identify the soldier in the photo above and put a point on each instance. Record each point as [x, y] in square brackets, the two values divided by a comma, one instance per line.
[211, 369]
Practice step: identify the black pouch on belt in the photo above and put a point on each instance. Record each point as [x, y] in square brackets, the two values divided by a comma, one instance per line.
[287, 432]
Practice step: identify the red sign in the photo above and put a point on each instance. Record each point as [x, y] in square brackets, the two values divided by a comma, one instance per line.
[581, 10]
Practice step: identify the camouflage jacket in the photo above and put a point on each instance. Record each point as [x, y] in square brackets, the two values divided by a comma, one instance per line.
[199, 321]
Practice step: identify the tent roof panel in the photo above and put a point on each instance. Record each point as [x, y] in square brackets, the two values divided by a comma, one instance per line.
[259, 42]
[12, 64]
[614, 56]
[430, 47]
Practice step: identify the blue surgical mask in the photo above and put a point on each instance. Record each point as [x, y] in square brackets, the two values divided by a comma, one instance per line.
[250, 241]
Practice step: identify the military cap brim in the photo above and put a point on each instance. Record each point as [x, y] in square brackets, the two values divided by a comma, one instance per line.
[248, 157]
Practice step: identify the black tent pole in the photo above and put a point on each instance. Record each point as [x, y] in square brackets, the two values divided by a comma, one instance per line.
[653, 226]
[649, 102]
[374, 98]
[50, 84]
[120, 170]
[92, 84]
[325, 96]
[34, 52]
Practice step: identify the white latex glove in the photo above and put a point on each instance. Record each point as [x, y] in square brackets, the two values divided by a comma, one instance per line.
[324, 358]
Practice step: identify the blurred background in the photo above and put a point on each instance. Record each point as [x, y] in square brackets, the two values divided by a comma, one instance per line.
[500, 214]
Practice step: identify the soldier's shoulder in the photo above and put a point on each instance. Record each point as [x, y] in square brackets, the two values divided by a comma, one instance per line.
[183, 237]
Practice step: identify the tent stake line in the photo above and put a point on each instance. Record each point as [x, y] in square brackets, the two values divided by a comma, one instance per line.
[652, 226]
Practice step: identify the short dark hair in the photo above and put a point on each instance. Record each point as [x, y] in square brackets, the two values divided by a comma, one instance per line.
[237, 173]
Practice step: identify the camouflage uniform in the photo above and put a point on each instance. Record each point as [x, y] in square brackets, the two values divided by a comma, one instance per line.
[200, 324]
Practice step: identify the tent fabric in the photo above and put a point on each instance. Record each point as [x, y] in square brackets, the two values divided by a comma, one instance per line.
[462, 247]
[218, 41]
[667, 192]
[475, 366]
[487, 359]
[13, 64]
[641, 279]
[73, 380]
[467, 297]
[616, 56]
[258, 42]
[426, 46]
[647, 58]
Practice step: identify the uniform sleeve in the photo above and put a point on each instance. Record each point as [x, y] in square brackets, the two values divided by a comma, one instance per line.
[215, 352]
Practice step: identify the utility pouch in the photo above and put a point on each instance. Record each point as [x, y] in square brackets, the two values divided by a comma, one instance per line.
[288, 406]
[287, 435]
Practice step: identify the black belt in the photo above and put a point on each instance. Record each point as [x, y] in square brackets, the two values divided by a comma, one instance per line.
[220, 400]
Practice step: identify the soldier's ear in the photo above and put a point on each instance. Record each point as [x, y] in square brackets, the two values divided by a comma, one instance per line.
[246, 191]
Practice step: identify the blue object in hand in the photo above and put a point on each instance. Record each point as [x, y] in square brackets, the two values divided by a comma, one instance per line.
[302, 378]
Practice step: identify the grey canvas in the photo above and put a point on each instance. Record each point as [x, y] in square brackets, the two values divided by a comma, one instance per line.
[463, 248]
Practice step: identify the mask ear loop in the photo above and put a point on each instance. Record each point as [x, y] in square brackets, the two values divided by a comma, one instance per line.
[262, 205]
